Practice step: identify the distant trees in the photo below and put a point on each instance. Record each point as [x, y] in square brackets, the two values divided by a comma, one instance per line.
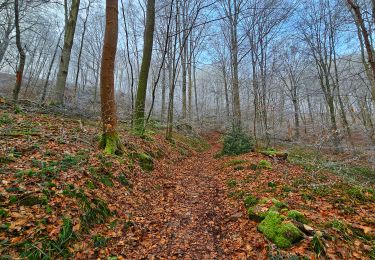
[110, 140]
[291, 72]
[7, 29]
[274, 68]
[319, 31]
[70, 26]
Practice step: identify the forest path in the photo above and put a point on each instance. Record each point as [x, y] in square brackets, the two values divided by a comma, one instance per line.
[186, 221]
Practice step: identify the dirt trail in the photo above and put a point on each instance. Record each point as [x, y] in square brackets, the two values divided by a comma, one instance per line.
[189, 214]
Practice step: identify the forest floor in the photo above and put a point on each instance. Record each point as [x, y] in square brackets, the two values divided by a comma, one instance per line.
[61, 197]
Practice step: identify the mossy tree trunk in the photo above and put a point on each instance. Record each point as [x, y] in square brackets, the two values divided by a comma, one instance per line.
[70, 26]
[21, 65]
[110, 141]
[235, 63]
[139, 114]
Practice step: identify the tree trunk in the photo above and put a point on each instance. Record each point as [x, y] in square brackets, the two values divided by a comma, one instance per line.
[224, 70]
[62, 74]
[6, 38]
[235, 83]
[21, 64]
[49, 70]
[190, 89]
[139, 115]
[80, 51]
[110, 141]
[366, 38]
[296, 118]
[163, 91]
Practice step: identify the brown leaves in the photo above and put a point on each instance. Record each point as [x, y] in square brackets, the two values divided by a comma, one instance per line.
[180, 210]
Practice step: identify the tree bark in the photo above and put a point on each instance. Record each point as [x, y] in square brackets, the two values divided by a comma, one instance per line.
[70, 26]
[6, 38]
[44, 94]
[366, 38]
[80, 51]
[110, 141]
[234, 57]
[139, 114]
[21, 64]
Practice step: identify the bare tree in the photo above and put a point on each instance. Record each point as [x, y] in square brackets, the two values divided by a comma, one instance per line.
[21, 52]
[70, 26]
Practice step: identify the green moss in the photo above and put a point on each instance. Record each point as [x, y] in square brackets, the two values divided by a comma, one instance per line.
[90, 185]
[3, 213]
[33, 200]
[263, 164]
[5, 119]
[106, 181]
[238, 168]
[99, 241]
[296, 215]
[250, 201]
[283, 234]
[145, 161]
[124, 181]
[338, 225]
[110, 143]
[257, 212]
[253, 167]
[279, 205]
[235, 162]
[232, 183]
[272, 184]
[357, 193]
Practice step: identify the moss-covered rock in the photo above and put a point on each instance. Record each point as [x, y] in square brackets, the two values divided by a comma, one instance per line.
[298, 216]
[259, 210]
[145, 162]
[279, 204]
[275, 228]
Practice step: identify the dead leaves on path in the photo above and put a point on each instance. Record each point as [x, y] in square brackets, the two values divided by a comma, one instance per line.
[184, 208]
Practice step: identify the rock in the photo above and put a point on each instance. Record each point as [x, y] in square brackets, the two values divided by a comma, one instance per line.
[308, 230]
[281, 232]
[258, 212]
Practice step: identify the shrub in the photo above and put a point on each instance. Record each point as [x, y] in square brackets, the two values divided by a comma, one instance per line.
[237, 142]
